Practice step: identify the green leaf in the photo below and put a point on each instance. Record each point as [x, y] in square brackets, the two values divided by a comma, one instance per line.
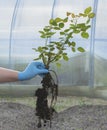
[73, 44]
[85, 35]
[85, 28]
[69, 35]
[46, 29]
[66, 30]
[80, 25]
[62, 33]
[58, 64]
[45, 48]
[51, 49]
[58, 43]
[49, 34]
[53, 22]
[58, 47]
[65, 57]
[91, 15]
[43, 36]
[87, 10]
[34, 49]
[57, 28]
[76, 31]
[57, 57]
[58, 19]
[88, 20]
[41, 32]
[73, 49]
[83, 15]
[72, 26]
[40, 49]
[61, 25]
[81, 49]
[65, 20]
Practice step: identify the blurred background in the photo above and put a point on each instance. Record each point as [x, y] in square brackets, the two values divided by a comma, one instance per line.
[84, 73]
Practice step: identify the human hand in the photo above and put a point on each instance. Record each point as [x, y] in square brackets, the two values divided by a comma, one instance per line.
[33, 69]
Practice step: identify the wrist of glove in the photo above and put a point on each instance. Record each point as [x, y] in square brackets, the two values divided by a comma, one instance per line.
[33, 69]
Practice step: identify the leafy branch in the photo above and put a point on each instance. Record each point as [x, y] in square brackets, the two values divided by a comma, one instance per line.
[58, 35]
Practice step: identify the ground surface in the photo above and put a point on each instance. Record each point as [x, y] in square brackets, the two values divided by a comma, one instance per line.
[15, 116]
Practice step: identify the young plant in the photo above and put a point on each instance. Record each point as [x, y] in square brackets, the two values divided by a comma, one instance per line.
[59, 34]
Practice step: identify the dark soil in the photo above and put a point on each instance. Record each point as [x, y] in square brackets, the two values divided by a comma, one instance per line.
[14, 116]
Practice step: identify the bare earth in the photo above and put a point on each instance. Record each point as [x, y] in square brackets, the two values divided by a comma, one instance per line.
[14, 116]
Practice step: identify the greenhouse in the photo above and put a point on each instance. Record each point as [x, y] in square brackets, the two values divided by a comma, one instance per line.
[20, 23]
[68, 36]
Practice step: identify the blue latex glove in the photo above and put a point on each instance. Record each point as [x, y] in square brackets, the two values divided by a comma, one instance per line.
[33, 69]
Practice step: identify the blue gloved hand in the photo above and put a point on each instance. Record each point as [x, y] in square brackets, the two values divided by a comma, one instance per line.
[33, 69]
